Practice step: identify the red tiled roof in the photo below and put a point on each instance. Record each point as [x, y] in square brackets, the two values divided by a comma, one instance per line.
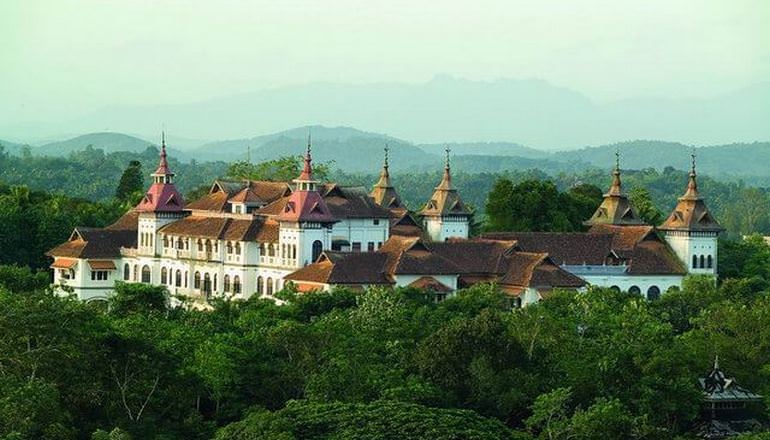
[430, 283]
[94, 243]
[255, 229]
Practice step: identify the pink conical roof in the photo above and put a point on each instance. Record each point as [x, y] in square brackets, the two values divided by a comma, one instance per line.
[162, 196]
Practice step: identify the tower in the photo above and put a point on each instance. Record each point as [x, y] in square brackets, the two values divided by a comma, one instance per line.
[445, 215]
[305, 221]
[692, 231]
[616, 208]
[383, 193]
[161, 204]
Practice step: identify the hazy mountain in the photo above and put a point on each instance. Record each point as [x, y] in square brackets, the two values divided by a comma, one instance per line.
[107, 141]
[11, 147]
[486, 149]
[730, 160]
[350, 149]
[445, 109]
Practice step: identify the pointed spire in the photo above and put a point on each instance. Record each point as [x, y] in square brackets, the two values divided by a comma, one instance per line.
[383, 193]
[692, 183]
[307, 169]
[616, 188]
[716, 362]
[385, 162]
[446, 180]
[163, 169]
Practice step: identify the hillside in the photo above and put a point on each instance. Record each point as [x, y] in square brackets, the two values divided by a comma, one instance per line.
[11, 147]
[109, 142]
[719, 160]
[486, 149]
[350, 149]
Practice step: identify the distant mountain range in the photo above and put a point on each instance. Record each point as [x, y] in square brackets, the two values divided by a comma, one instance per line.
[354, 150]
[447, 109]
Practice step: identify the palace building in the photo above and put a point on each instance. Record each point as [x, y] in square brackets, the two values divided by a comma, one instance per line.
[249, 238]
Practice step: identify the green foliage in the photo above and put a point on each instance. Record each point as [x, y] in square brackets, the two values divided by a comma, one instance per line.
[133, 298]
[23, 279]
[380, 420]
[642, 201]
[535, 205]
[131, 182]
[283, 169]
[744, 258]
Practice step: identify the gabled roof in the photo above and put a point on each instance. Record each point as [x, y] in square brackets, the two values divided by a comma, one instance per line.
[344, 268]
[351, 202]
[537, 270]
[411, 256]
[223, 192]
[639, 247]
[570, 248]
[430, 283]
[94, 243]
[305, 206]
[403, 224]
[691, 213]
[256, 229]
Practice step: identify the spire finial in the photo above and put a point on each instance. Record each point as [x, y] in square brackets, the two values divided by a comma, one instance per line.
[617, 159]
[692, 156]
[716, 362]
[163, 138]
[309, 143]
[385, 163]
[446, 163]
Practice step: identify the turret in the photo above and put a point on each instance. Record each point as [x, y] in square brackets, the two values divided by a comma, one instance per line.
[445, 215]
[692, 231]
[616, 208]
[383, 193]
[306, 221]
[160, 205]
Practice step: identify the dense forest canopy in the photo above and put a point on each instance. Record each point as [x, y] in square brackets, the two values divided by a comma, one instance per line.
[387, 364]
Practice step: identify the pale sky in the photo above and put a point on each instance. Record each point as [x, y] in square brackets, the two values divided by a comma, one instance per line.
[59, 58]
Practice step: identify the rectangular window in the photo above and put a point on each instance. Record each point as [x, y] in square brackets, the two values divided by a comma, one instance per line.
[370, 246]
[379, 244]
[98, 275]
[356, 246]
[376, 222]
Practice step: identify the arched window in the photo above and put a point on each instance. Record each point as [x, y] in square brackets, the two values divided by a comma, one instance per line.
[179, 243]
[126, 272]
[197, 280]
[146, 274]
[653, 293]
[702, 262]
[271, 250]
[227, 283]
[615, 289]
[294, 252]
[206, 283]
[635, 290]
[200, 245]
[163, 275]
[229, 247]
[215, 283]
[238, 248]
[317, 249]
[236, 284]
[165, 241]
[136, 272]
[694, 261]
[283, 250]
[710, 262]
[262, 249]
[260, 285]
[208, 246]
[269, 286]
[186, 278]
[178, 280]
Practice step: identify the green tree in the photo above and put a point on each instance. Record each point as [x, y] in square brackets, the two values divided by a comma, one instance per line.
[642, 201]
[131, 182]
[283, 169]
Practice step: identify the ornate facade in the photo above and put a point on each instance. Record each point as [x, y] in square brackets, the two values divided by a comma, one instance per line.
[251, 237]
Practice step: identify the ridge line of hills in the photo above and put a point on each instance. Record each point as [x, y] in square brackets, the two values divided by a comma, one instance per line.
[353, 150]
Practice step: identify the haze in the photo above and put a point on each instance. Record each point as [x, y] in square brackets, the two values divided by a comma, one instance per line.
[64, 60]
